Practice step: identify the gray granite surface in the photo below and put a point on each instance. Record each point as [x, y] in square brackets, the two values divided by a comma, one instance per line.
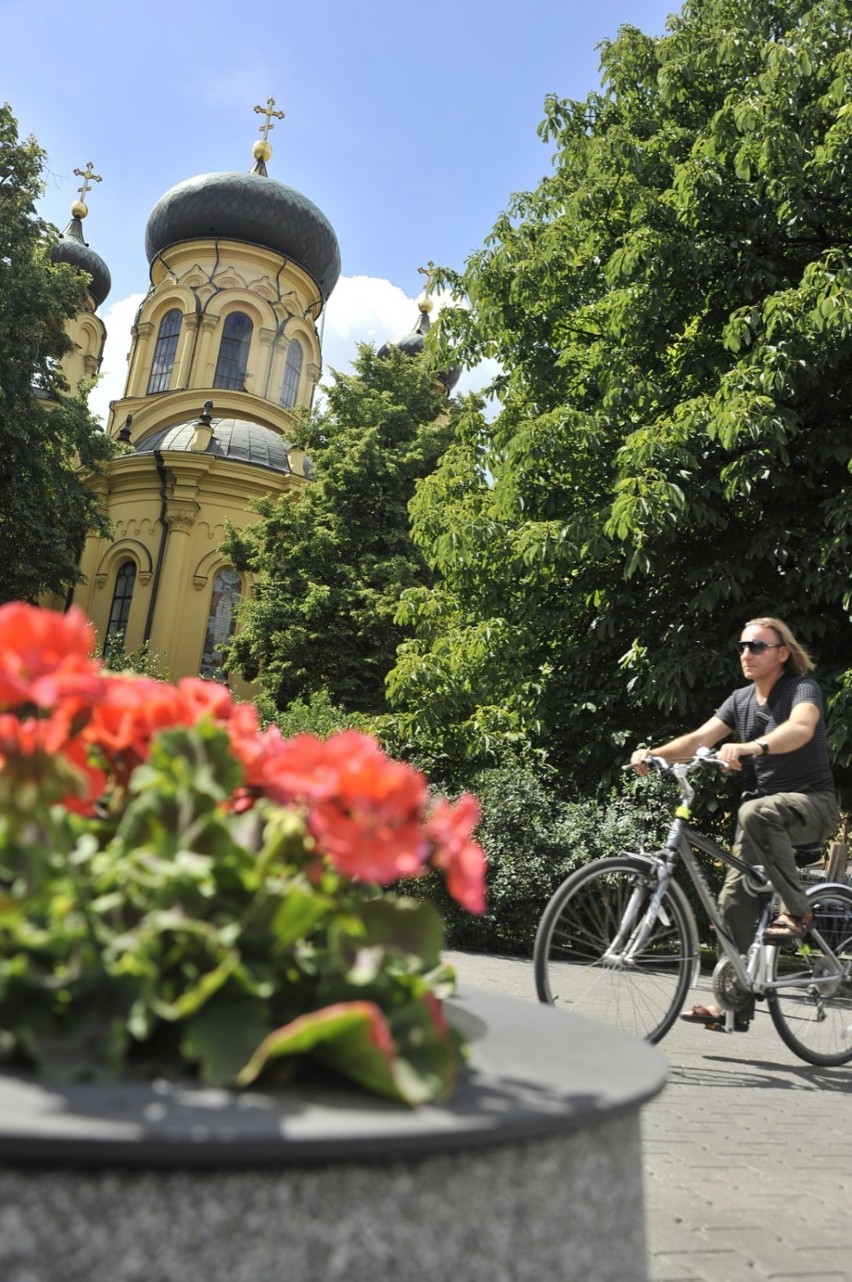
[531, 1171]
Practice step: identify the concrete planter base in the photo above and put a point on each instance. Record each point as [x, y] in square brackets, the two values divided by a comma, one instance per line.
[531, 1171]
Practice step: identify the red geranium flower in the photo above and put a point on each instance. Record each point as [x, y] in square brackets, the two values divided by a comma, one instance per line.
[46, 656]
[450, 827]
[202, 698]
[365, 811]
[257, 751]
[38, 744]
[30, 736]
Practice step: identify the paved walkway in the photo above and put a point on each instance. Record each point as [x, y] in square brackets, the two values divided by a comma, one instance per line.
[747, 1152]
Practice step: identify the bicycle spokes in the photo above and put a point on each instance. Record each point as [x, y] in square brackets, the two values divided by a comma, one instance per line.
[811, 998]
[603, 951]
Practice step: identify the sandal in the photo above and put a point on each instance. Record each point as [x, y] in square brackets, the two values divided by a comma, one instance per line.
[702, 1015]
[713, 1018]
[786, 926]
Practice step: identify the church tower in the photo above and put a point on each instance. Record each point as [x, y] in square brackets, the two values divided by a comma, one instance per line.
[86, 330]
[225, 349]
[413, 343]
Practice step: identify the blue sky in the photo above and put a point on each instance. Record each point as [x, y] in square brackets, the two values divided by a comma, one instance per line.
[410, 125]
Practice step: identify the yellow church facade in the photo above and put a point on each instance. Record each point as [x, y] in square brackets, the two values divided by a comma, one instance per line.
[224, 352]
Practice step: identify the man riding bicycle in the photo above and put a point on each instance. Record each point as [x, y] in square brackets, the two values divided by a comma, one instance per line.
[790, 799]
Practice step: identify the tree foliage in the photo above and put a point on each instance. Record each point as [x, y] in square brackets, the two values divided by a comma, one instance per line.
[46, 436]
[671, 310]
[331, 565]
[534, 837]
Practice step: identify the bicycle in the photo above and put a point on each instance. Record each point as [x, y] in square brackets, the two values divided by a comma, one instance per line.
[618, 941]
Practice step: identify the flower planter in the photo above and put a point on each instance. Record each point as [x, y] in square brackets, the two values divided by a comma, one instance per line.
[532, 1170]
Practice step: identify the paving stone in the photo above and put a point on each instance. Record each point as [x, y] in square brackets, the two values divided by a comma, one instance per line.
[747, 1152]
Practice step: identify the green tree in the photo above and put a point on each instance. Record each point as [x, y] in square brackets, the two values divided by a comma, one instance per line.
[332, 563]
[46, 436]
[672, 312]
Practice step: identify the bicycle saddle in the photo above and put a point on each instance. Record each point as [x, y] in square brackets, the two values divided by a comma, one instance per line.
[808, 855]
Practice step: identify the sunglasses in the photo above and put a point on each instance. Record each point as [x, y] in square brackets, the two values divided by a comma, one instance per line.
[758, 647]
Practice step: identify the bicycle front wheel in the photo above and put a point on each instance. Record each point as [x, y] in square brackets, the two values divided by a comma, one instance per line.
[589, 958]
[812, 1010]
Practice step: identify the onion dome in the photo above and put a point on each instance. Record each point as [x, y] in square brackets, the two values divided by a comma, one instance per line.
[235, 439]
[71, 247]
[249, 207]
[412, 343]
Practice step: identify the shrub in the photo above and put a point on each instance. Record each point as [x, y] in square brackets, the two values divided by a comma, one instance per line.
[316, 715]
[142, 661]
[534, 838]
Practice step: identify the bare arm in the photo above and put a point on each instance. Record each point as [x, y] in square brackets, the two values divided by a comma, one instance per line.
[797, 730]
[686, 745]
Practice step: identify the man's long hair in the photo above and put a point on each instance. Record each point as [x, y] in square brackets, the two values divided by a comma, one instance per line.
[799, 661]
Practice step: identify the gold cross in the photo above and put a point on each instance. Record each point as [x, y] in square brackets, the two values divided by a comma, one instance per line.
[269, 112]
[428, 271]
[89, 176]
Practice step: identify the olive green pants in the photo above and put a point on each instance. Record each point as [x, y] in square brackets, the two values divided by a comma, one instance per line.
[768, 828]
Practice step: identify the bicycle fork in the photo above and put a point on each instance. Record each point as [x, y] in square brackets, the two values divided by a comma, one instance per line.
[630, 938]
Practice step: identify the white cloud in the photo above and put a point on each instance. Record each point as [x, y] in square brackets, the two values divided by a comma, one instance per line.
[362, 309]
[367, 309]
[118, 318]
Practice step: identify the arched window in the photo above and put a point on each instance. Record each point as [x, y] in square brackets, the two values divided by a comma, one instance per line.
[233, 352]
[292, 370]
[221, 621]
[119, 611]
[164, 352]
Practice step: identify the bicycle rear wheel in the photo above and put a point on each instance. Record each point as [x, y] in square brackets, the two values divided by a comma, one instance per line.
[587, 930]
[813, 1011]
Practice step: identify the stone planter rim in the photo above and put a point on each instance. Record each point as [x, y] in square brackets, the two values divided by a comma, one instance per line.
[535, 1072]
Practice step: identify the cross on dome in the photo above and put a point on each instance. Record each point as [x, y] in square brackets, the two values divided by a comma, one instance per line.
[424, 302]
[269, 112]
[262, 148]
[79, 209]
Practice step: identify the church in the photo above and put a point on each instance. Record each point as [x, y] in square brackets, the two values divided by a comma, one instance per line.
[225, 348]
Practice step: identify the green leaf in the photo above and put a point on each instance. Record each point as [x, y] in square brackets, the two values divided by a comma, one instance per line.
[354, 1034]
[429, 1051]
[86, 1040]
[409, 926]
[297, 914]
[354, 1039]
[222, 1036]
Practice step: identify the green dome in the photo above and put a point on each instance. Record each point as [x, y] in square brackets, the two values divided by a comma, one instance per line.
[252, 208]
[71, 248]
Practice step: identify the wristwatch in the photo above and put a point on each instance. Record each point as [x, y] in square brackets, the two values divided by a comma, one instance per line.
[763, 744]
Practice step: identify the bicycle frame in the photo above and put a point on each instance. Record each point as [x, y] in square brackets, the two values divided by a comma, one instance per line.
[754, 970]
[618, 941]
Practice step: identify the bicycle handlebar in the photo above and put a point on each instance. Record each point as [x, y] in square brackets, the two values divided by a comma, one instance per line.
[683, 769]
[703, 757]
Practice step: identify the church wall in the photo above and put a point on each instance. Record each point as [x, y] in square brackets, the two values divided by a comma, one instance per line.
[169, 512]
[202, 493]
[206, 281]
[88, 334]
